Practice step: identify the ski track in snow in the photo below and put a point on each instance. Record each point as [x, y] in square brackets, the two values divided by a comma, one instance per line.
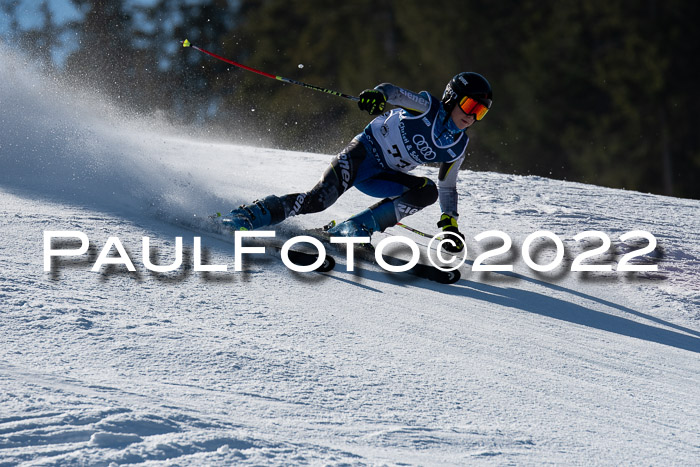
[267, 366]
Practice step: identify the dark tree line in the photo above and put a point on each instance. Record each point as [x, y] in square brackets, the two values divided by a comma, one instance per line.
[602, 91]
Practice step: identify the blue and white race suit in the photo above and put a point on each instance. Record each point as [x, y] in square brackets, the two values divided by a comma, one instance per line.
[378, 161]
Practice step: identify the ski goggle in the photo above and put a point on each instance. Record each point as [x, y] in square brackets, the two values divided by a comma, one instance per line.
[476, 107]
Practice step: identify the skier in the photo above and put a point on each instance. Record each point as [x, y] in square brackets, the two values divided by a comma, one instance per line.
[421, 130]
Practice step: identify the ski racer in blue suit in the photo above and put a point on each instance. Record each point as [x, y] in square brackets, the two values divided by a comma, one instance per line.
[421, 130]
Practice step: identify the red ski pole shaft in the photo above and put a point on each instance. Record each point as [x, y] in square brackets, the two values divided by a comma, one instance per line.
[187, 43]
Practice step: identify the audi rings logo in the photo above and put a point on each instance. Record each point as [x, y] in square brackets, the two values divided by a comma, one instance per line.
[424, 147]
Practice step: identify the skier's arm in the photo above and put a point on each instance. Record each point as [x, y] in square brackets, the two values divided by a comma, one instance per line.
[447, 192]
[373, 100]
[401, 97]
[447, 186]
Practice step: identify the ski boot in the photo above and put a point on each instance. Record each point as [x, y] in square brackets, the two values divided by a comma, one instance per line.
[261, 213]
[360, 225]
[375, 219]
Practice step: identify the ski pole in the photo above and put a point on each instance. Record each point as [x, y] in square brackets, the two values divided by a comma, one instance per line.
[415, 231]
[187, 43]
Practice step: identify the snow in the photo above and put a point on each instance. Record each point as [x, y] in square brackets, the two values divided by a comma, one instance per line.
[268, 366]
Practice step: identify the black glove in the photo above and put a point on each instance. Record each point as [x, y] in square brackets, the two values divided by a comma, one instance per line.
[372, 100]
[455, 243]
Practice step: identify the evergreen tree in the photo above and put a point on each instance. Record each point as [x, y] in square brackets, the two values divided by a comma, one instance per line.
[602, 91]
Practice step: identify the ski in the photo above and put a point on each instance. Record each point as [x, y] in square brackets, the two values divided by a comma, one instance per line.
[366, 253]
[303, 258]
[296, 256]
[422, 270]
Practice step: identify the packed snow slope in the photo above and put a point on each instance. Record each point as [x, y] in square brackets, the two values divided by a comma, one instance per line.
[270, 366]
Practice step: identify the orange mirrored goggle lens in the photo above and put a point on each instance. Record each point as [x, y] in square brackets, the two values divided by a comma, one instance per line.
[472, 106]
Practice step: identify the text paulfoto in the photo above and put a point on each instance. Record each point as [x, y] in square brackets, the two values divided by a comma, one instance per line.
[631, 261]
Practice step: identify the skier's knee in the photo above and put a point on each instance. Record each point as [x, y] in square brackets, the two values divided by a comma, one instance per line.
[429, 192]
[422, 196]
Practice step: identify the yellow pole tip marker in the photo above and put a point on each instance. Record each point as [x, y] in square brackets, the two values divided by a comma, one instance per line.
[186, 43]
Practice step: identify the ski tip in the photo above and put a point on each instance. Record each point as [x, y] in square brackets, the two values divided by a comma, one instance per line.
[453, 277]
[186, 43]
[327, 265]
